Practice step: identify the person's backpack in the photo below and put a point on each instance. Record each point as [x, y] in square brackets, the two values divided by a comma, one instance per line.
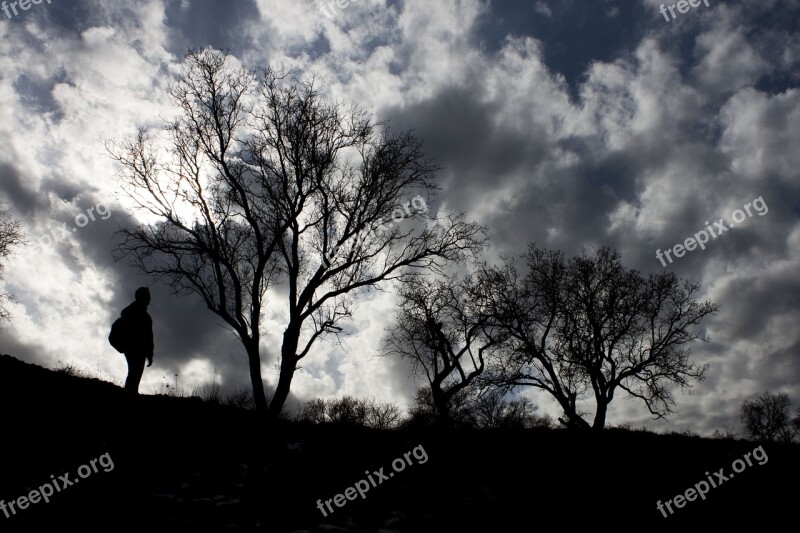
[119, 335]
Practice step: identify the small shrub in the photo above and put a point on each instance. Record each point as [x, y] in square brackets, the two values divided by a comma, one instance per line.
[726, 433]
[240, 398]
[70, 370]
[351, 411]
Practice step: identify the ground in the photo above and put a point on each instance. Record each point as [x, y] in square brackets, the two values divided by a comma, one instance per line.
[185, 465]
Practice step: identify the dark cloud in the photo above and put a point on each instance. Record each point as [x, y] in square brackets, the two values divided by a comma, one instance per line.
[37, 95]
[184, 328]
[752, 306]
[460, 133]
[574, 35]
[202, 23]
[31, 353]
[12, 186]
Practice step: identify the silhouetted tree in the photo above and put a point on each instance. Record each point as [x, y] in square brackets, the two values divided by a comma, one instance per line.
[261, 180]
[587, 325]
[314, 411]
[425, 411]
[444, 335]
[767, 417]
[796, 423]
[10, 237]
[346, 410]
[489, 408]
[383, 415]
[492, 410]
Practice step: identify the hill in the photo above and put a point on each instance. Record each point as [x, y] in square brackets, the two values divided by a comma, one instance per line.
[182, 464]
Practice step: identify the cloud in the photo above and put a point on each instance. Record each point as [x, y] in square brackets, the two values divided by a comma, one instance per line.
[543, 9]
[568, 125]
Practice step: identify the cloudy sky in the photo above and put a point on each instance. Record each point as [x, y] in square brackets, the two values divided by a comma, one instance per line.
[567, 123]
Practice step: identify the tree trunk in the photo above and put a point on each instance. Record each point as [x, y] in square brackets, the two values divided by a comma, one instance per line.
[288, 365]
[600, 416]
[442, 407]
[573, 419]
[254, 358]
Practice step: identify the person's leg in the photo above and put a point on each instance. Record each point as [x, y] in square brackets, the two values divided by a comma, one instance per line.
[135, 370]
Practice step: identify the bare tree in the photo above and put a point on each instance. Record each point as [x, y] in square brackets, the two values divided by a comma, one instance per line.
[588, 326]
[492, 410]
[261, 180]
[795, 425]
[313, 411]
[444, 335]
[459, 409]
[767, 417]
[346, 410]
[489, 408]
[11, 236]
[383, 415]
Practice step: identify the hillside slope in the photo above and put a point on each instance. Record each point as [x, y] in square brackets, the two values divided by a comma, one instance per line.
[180, 464]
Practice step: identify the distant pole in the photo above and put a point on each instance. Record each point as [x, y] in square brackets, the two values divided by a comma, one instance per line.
[176, 383]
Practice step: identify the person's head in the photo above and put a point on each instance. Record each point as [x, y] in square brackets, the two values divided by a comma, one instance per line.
[143, 295]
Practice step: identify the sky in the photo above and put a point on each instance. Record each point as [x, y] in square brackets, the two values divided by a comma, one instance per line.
[569, 124]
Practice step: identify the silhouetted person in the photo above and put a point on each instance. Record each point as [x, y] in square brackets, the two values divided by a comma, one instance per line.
[139, 329]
